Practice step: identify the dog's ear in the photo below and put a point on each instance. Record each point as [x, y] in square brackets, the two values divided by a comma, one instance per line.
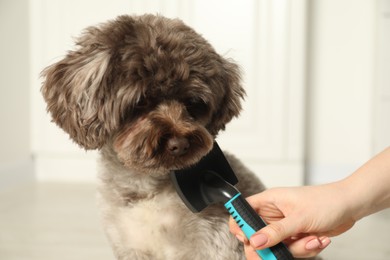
[232, 94]
[74, 90]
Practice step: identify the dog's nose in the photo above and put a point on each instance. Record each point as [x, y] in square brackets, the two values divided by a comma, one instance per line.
[178, 146]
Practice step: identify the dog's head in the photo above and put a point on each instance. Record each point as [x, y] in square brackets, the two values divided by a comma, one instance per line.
[150, 87]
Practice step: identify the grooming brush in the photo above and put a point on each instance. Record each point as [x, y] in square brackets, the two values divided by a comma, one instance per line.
[212, 181]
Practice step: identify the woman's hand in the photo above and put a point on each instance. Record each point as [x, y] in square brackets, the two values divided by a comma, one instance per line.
[296, 217]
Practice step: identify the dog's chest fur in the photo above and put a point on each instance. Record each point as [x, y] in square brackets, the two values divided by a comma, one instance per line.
[146, 219]
[150, 222]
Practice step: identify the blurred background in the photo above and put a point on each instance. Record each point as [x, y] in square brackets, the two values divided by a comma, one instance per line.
[317, 107]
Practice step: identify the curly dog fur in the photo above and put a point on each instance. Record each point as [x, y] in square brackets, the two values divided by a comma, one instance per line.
[151, 94]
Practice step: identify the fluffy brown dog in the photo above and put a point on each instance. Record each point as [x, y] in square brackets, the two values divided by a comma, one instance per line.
[151, 94]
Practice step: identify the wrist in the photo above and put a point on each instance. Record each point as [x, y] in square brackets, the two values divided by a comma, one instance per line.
[358, 198]
[369, 186]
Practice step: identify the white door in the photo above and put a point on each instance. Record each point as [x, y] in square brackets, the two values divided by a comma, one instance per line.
[265, 37]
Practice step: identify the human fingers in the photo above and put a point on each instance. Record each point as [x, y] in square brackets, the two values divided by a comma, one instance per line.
[273, 233]
[309, 246]
[250, 252]
[305, 247]
[236, 230]
[233, 227]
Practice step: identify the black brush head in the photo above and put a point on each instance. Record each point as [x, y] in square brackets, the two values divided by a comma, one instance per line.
[188, 181]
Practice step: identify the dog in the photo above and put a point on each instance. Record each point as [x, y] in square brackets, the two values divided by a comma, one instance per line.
[151, 95]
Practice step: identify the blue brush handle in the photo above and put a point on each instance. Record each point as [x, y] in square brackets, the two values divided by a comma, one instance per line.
[249, 222]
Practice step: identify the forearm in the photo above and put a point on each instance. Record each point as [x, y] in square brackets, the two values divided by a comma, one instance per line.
[368, 189]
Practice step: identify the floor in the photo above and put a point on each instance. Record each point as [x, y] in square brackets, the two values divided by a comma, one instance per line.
[51, 221]
[60, 221]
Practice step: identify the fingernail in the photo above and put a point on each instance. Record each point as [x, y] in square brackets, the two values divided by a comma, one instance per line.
[325, 241]
[258, 240]
[313, 244]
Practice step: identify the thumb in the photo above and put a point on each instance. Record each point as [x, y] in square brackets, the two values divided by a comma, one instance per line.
[272, 234]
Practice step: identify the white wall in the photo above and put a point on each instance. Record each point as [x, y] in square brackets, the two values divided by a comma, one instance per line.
[15, 153]
[344, 120]
[382, 89]
[341, 83]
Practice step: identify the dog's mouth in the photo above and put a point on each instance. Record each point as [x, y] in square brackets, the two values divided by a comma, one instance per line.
[156, 151]
[179, 152]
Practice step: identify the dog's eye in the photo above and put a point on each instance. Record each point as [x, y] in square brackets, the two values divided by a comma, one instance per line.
[196, 108]
[142, 104]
